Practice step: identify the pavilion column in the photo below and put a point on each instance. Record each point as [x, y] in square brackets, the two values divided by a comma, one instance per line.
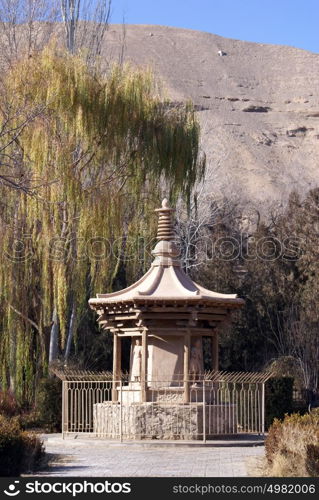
[144, 366]
[187, 343]
[215, 351]
[116, 365]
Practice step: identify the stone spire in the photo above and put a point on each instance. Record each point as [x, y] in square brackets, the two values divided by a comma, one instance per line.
[165, 252]
[165, 229]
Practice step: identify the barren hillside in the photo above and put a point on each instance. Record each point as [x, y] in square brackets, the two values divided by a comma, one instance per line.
[258, 105]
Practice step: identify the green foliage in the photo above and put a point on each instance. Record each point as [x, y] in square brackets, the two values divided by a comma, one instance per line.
[49, 404]
[292, 446]
[19, 451]
[278, 398]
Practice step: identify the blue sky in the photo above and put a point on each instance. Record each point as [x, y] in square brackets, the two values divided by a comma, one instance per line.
[287, 22]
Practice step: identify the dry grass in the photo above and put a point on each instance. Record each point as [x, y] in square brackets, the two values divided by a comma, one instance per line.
[292, 447]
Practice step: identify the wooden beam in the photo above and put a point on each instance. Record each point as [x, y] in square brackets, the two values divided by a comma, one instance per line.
[186, 309]
[171, 331]
[128, 334]
[211, 316]
[174, 330]
[126, 330]
[128, 310]
[126, 318]
[164, 316]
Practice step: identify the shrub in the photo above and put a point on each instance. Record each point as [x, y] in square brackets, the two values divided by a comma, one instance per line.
[19, 451]
[33, 451]
[49, 404]
[278, 398]
[10, 447]
[273, 439]
[312, 460]
[9, 407]
[30, 420]
[292, 446]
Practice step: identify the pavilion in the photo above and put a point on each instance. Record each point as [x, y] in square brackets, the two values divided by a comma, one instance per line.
[168, 394]
[166, 315]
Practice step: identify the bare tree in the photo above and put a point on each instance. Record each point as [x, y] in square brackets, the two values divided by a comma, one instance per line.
[28, 25]
[85, 25]
[70, 10]
[196, 225]
[25, 26]
[296, 338]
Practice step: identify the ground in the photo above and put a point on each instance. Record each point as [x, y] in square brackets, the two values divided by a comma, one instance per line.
[101, 458]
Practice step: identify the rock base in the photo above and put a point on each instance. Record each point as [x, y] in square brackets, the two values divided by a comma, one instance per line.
[163, 420]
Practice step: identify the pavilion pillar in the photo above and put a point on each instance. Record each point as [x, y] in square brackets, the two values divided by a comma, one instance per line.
[144, 366]
[187, 343]
[116, 365]
[215, 362]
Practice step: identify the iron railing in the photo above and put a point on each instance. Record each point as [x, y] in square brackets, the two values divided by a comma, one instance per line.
[215, 406]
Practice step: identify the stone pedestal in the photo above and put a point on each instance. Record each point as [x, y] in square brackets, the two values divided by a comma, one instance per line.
[163, 420]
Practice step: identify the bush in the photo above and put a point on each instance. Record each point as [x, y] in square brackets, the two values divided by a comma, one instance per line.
[9, 407]
[292, 446]
[278, 398]
[49, 404]
[33, 451]
[19, 451]
[47, 412]
[30, 420]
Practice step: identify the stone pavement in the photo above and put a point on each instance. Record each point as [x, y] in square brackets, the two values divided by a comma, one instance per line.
[93, 457]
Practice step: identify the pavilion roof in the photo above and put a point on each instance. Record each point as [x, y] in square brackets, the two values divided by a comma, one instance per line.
[166, 281]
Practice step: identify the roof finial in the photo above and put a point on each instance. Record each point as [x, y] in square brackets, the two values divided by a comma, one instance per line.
[165, 203]
[165, 229]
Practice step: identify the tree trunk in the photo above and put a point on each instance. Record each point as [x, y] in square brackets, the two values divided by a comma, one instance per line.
[70, 334]
[54, 337]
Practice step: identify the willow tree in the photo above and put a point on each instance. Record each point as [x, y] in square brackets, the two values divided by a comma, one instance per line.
[92, 158]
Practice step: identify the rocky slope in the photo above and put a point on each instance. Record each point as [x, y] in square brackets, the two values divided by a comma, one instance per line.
[258, 105]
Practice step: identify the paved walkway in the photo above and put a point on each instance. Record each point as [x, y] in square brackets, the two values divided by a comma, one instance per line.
[93, 457]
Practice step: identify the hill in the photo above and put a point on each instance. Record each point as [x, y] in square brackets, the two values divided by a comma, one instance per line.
[258, 105]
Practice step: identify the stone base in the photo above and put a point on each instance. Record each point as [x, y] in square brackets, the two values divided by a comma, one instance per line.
[163, 420]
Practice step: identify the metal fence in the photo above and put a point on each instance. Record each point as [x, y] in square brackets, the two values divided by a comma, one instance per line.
[219, 405]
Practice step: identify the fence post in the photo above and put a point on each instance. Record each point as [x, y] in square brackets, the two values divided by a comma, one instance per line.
[263, 408]
[187, 343]
[121, 413]
[63, 407]
[204, 412]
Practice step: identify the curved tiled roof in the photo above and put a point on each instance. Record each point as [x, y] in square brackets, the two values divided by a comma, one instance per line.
[166, 280]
